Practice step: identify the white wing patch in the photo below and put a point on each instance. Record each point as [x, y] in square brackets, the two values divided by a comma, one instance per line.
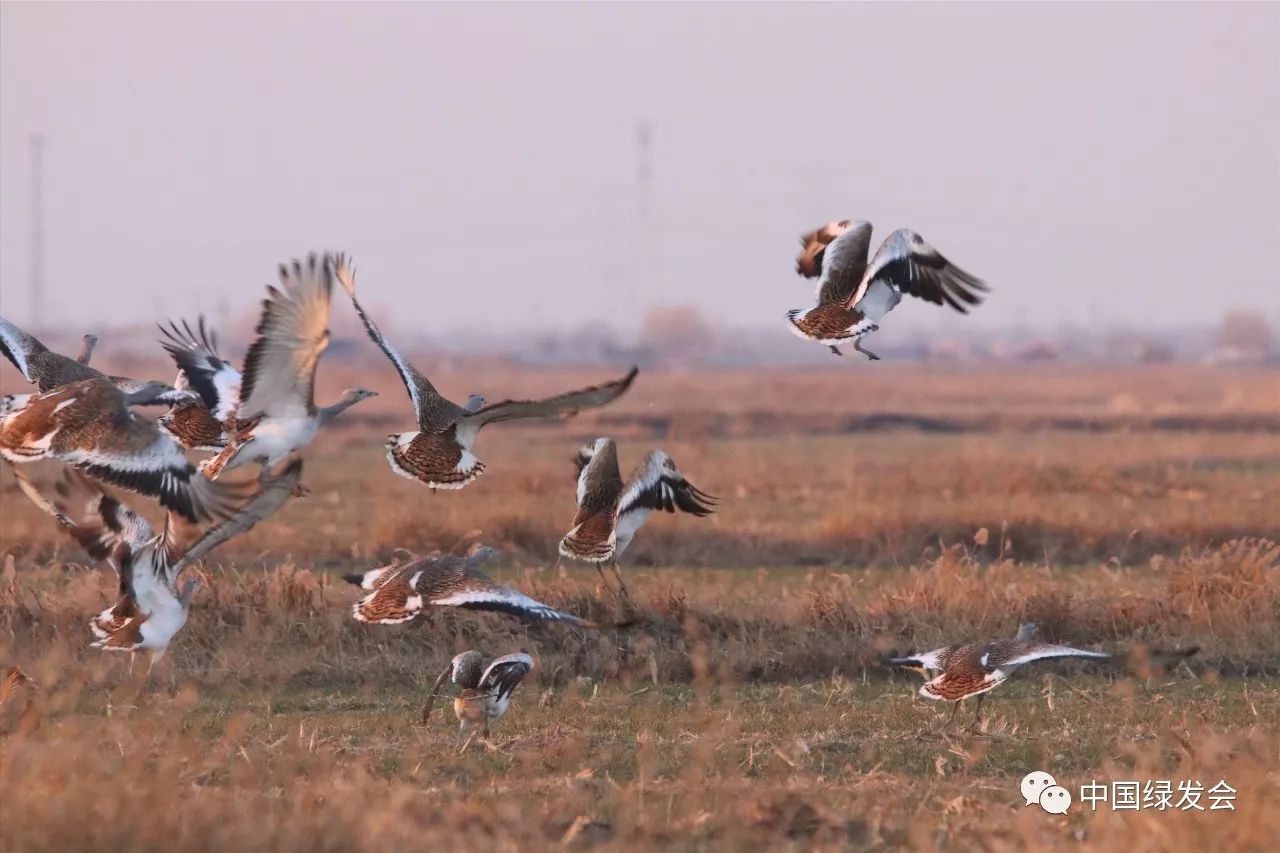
[1052, 652]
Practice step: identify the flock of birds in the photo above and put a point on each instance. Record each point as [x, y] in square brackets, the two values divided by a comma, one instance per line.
[266, 415]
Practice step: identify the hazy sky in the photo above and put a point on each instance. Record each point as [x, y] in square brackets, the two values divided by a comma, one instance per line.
[1093, 162]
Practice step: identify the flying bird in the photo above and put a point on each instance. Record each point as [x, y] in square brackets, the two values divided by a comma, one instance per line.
[440, 452]
[48, 370]
[405, 588]
[89, 425]
[154, 599]
[957, 672]
[485, 692]
[610, 513]
[854, 296]
[277, 390]
[205, 423]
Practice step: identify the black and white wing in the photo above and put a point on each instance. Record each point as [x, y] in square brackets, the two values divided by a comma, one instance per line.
[201, 367]
[561, 406]
[1016, 654]
[446, 582]
[102, 526]
[906, 263]
[433, 410]
[843, 263]
[658, 485]
[505, 674]
[293, 332]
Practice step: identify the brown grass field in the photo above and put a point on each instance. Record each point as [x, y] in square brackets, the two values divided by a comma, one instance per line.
[867, 509]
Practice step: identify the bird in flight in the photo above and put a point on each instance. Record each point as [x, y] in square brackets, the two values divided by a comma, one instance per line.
[440, 453]
[854, 295]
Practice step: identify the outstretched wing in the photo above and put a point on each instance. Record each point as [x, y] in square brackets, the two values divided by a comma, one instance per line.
[105, 525]
[18, 347]
[275, 491]
[433, 411]
[843, 263]
[505, 674]
[446, 582]
[563, 405]
[908, 264]
[1021, 653]
[658, 484]
[280, 368]
[206, 372]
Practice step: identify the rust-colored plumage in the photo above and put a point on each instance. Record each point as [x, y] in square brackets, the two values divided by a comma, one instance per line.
[191, 425]
[89, 425]
[593, 537]
[400, 592]
[973, 669]
[433, 458]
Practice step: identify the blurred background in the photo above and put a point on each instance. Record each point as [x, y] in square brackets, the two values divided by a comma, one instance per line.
[581, 184]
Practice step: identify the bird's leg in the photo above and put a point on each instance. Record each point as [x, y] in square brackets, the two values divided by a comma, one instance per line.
[857, 345]
[622, 587]
[600, 569]
[132, 656]
[954, 708]
[835, 349]
[977, 712]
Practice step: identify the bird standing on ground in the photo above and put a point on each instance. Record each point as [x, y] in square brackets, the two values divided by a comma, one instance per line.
[439, 453]
[957, 672]
[486, 692]
[277, 393]
[404, 589]
[611, 513]
[853, 297]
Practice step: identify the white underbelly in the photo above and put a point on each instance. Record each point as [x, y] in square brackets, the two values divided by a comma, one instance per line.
[275, 439]
[879, 300]
[629, 524]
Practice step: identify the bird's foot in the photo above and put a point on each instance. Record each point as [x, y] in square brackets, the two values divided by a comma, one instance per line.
[301, 491]
[835, 349]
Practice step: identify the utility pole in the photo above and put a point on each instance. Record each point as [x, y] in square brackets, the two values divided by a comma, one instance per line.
[37, 230]
[649, 264]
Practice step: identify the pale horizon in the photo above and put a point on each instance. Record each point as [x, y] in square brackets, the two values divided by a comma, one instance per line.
[1108, 164]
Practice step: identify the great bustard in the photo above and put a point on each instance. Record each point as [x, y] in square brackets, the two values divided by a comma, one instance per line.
[48, 370]
[277, 391]
[854, 296]
[405, 588]
[439, 453]
[611, 512]
[154, 598]
[89, 425]
[957, 672]
[208, 422]
[485, 692]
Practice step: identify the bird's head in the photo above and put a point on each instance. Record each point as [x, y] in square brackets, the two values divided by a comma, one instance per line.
[153, 391]
[480, 554]
[1027, 630]
[351, 396]
[475, 403]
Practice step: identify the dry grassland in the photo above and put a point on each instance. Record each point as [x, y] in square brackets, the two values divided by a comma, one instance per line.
[1123, 510]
